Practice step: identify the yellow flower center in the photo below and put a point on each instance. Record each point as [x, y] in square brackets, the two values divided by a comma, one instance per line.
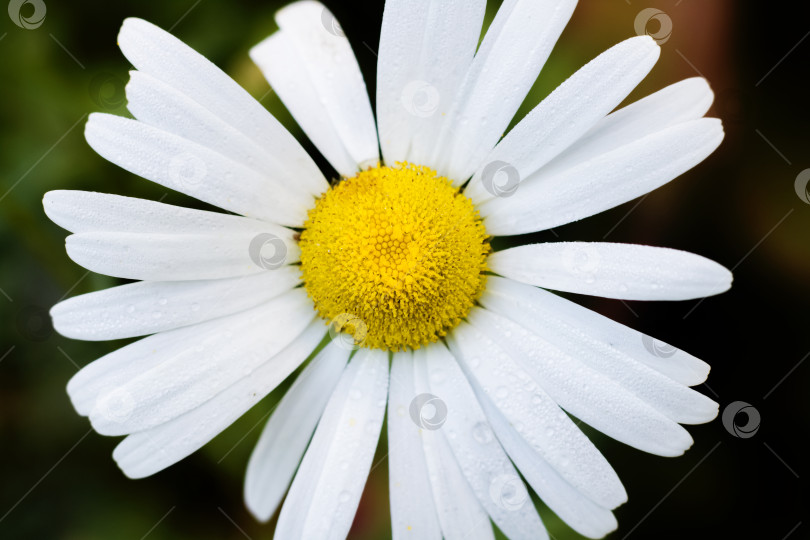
[394, 256]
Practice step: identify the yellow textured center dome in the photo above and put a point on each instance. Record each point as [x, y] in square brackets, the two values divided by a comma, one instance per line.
[394, 256]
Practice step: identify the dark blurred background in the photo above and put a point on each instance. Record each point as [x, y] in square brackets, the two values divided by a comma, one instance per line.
[746, 207]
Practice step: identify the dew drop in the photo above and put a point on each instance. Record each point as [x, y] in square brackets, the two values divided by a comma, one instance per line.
[482, 433]
[437, 376]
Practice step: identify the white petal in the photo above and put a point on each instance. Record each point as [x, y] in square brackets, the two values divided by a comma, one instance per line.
[571, 505]
[122, 365]
[683, 101]
[326, 490]
[569, 112]
[413, 512]
[232, 347]
[503, 71]
[282, 66]
[164, 57]
[486, 466]
[187, 167]
[88, 211]
[332, 71]
[587, 394]
[608, 180]
[578, 511]
[173, 257]
[460, 512]
[151, 451]
[160, 105]
[624, 355]
[285, 437]
[148, 307]
[624, 271]
[116, 238]
[426, 48]
[533, 414]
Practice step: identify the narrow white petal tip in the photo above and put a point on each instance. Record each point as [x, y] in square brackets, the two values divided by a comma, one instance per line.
[715, 134]
[61, 329]
[50, 202]
[131, 474]
[645, 41]
[134, 24]
[129, 21]
[714, 412]
[256, 52]
[47, 199]
[93, 125]
[298, 6]
[708, 413]
[260, 515]
[728, 280]
[698, 85]
[129, 470]
[718, 278]
[100, 418]
[679, 446]
[74, 394]
[609, 527]
[716, 124]
[645, 38]
[70, 247]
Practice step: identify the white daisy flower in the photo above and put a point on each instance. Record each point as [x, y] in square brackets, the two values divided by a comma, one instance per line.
[484, 362]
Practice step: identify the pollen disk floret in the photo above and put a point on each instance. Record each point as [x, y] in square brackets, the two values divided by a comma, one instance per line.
[394, 256]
